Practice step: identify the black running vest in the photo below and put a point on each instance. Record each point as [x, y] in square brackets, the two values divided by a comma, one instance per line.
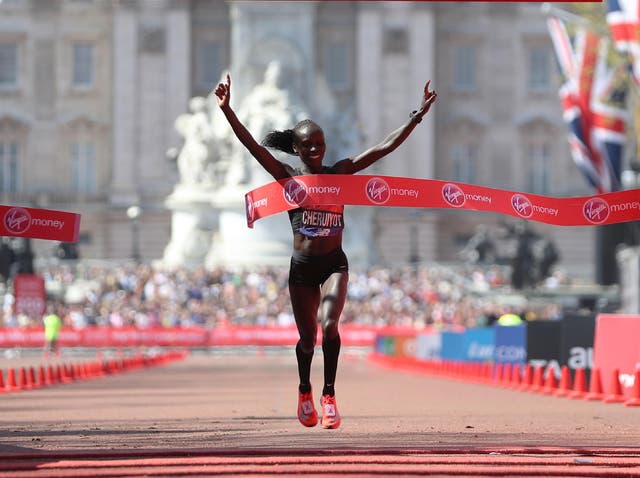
[318, 221]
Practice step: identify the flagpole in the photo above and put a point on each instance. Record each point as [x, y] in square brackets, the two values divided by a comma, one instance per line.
[552, 10]
[549, 9]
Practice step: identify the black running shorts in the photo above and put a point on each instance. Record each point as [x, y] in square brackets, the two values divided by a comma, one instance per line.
[313, 271]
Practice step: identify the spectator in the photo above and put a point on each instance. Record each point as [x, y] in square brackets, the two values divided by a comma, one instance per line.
[52, 325]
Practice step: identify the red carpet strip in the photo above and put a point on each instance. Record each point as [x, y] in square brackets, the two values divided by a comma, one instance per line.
[517, 463]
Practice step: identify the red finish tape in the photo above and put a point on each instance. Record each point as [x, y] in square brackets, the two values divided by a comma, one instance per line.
[357, 190]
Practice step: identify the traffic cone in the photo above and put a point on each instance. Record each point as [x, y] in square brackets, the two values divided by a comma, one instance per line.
[527, 378]
[550, 382]
[50, 378]
[34, 378]
[564, 387]
[65, 376]
[595, 386]
[25, 381]
[59, 373]
[12, 384]
[579, 385]
[42, 376]
[516, 377]
[537, 383]
[615, 395]
[497, 373]
[506, 375]
[634, 401]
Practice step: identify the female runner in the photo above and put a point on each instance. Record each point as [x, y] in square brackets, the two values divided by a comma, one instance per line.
[319, 270]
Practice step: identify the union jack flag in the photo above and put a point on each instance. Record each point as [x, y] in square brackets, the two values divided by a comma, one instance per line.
[623, 17]
[593, 102]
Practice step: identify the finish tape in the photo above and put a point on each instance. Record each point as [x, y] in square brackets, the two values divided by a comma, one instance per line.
[390, 191]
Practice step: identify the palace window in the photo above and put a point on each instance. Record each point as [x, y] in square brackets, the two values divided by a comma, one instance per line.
[83, 65]
[83, 167]
[9, 166]
[8, 65]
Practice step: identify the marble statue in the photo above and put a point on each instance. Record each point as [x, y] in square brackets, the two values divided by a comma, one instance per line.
[270, 105]
[197, 156]
[208, 217]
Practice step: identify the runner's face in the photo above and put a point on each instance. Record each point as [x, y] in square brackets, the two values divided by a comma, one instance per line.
[310, 145]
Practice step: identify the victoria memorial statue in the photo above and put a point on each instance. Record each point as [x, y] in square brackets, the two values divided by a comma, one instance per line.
[207, 204]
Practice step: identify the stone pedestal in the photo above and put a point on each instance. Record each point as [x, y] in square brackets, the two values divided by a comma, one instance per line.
[193, 223]
[233, 243]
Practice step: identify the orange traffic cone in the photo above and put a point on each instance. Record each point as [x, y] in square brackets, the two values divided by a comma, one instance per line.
[12, 384]
[634, 401]
[615, 395]
[497, 373]
[564, 387]
[23, 381]
[516, 377]
[59, 373]
[550, 382]
[527, 378]
[51, 377]
[64, 374]
[579, 384]
[595, 386]
[28, 379]
[506, 375]
[537, 384]
[34, 378]
[42, 376]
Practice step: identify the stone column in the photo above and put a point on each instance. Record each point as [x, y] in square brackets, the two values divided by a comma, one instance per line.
[178, 73]
[369, 66]
[125, 112]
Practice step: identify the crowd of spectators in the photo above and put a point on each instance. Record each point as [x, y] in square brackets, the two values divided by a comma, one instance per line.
[145, 296]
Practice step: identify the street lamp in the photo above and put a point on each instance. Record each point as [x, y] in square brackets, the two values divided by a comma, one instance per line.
[414, 239]
[134, 213]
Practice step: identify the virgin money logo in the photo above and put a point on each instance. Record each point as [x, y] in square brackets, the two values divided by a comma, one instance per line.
[249, 207]
[17, 220]
[596, 210]
[295, 192]
[453, 195]
[378, 191]
[522, 205]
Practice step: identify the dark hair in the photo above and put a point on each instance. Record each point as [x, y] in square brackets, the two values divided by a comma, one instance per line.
[283, 140]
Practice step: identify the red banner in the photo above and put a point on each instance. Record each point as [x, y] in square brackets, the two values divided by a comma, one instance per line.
[30, 294]
[357, 190]
[616, 348]
[351, 335]
[39, 223]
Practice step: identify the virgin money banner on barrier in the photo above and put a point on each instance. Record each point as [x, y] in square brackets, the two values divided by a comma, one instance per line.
[187, 337]
[616, 347]
[39, 223]
[357, 190]
[31, 298]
